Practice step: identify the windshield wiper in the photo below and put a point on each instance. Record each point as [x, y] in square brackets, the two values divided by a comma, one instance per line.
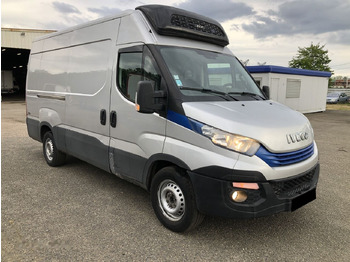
[204, 90]
[247, 94]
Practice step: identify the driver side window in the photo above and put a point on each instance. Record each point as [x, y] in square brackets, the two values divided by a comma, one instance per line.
[134, 67]
[129, 74]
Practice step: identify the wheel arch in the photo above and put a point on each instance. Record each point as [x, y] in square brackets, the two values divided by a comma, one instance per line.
[157, 162]
[58, 134]
[44, 127]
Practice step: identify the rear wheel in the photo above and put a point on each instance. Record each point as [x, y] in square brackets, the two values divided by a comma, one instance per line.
[173, 200]
[52, 155]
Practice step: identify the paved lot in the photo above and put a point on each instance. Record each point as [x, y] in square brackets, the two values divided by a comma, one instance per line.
[80, 213]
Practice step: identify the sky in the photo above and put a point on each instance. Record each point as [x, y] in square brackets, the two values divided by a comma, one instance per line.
[263, 31]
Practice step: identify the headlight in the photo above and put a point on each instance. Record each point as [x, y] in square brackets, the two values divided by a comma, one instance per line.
[236, 143]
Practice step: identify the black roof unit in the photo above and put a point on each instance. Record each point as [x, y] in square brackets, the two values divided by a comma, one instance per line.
[173, 21]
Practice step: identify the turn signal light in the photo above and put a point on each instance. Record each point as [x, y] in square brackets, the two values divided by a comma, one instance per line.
[137, 107]
[253, 186]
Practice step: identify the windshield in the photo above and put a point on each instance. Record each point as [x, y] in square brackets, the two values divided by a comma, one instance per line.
[204, 73]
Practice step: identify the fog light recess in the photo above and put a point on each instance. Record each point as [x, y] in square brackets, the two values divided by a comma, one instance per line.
[239, 196]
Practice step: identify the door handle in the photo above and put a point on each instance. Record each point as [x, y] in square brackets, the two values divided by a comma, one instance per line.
[103, 117]
[113, 119]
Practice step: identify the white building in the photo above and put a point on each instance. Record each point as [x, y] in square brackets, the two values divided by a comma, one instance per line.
[300, 89]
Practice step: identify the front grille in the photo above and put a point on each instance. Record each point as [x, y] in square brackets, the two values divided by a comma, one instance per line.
[283, 159]
[292, 187]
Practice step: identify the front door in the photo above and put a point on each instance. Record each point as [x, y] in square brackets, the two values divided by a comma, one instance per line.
[135, 136]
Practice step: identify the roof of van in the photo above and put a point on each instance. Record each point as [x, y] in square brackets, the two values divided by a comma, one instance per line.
[168, 21]
[93, 22]
[286, 70]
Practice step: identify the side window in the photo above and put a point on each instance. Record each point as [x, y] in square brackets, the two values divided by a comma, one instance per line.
[135, 67]
[293, 88]
[129, 73]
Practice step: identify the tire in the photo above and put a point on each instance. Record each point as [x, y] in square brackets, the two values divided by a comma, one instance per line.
[52, 155]
[173, 200]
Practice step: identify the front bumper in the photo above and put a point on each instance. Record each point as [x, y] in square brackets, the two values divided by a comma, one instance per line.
[213, 195]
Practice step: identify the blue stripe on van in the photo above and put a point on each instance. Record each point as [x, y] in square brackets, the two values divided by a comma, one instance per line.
[179, 119]
[196, 126]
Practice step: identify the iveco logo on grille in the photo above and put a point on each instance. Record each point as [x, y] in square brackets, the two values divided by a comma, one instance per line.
[297, 137]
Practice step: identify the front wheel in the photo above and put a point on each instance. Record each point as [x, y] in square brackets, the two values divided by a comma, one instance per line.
[52, 155]
[173, 200]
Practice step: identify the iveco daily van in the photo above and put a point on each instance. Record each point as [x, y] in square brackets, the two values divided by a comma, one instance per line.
[154, 96]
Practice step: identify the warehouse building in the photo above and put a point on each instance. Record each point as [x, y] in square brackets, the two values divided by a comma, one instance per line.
[300, 89]
[15, 50]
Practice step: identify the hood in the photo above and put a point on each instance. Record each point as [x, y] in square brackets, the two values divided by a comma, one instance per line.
[274, 125]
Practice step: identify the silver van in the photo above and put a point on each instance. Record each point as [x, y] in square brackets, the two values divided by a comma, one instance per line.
[155, 96]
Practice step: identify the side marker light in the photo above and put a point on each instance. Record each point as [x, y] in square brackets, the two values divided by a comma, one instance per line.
[253, 186]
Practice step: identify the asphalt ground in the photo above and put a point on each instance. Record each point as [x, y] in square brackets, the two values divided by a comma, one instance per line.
[79, 213]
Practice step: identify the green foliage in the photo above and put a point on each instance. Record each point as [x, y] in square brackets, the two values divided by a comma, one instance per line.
[313, 57]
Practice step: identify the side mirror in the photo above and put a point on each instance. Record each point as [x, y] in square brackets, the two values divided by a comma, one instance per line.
[146, 98]
[266, 91]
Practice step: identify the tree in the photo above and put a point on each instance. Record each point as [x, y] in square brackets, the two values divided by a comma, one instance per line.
[312, 58]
